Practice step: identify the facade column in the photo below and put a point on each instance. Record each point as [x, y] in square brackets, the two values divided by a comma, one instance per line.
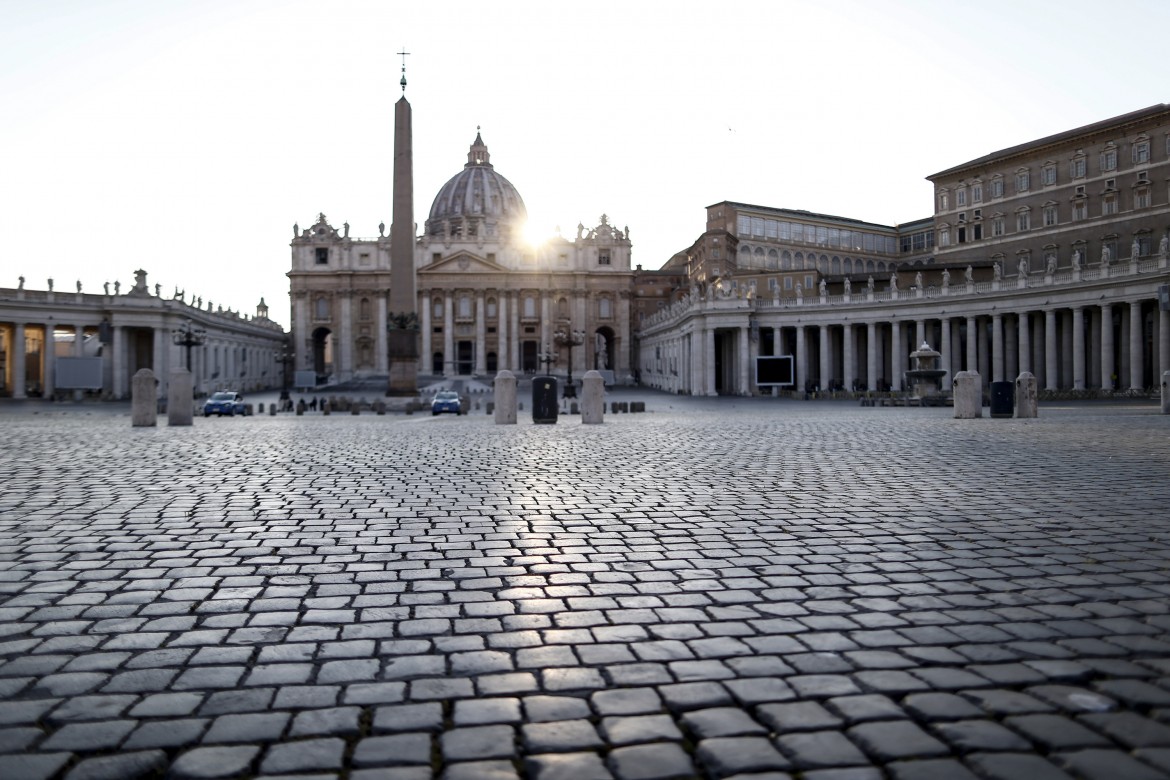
[945, 350]
[160, 367]
[1107, 360]
[300, 335]
[448, 335]
[621, 355]
[745, 360]
[919, 333]
[18, 361]
[382, 349]
[1136, 364]
[896, 357]
[996, 347]
[1024, 330]
[343, 366]
[118, 378]
[848, 359]
[1051, 366]
[480, 335]
[871, 355]
[982, 337]
[802, 377]
[502, 331]
[514, 333]
[546, 322]
[1011, 346]
[1093, 353]
[426, 359]
[49, 372]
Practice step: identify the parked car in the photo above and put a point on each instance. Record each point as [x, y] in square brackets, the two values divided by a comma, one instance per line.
[224, 402]
[446, 401]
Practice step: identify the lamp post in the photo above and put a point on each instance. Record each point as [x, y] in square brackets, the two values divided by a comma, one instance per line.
[546, 357]
[570, 339]
[189, 336]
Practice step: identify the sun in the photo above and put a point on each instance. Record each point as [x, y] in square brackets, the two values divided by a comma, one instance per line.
[535, 235]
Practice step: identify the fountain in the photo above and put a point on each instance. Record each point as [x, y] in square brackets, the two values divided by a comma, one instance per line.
[924, 377]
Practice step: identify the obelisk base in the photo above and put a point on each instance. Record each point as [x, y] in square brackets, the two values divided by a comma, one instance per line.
[403, 348]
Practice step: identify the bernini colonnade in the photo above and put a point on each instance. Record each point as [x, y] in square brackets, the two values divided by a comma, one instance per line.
[1091, 329]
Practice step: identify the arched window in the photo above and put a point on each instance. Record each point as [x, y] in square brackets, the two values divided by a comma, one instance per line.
[465, 306]
[848, 265]
[836, 265]
[563, 308]
[322, 308]
[798, 262]
[773, 260]
[786, 261]
[364, 309]
[491, 307]
[604, 308]
[529, 307]
[758, 258]
[437, 308]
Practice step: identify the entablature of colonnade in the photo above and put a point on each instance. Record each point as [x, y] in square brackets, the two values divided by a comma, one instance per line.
[1068, 289]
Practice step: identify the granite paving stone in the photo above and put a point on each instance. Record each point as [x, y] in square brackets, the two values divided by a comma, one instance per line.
[719, 588]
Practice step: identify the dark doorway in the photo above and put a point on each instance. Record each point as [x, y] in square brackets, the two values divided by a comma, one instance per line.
[466, 360]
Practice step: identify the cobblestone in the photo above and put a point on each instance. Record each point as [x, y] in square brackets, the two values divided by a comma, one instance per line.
[720, 588]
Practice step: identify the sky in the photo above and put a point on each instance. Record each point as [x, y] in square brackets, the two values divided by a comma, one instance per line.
[186, 138]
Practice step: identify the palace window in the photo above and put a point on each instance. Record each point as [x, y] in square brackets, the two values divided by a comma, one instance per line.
[1048, 175]
[997, 226]
[1023, 180]
[1023, 220]
[322, 253]
[944, 200]
[1141, 198]
[961, 197]
[1141, 152]
[944, 236]
[603, 257]
[1109, 158]
[997, 187]
[977, 192]
[1049, 215]
[1080, 209]
[1077, 167]
[1109, 204]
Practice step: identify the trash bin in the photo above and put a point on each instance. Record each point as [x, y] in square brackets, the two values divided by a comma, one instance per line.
[544, 399]
[1003, 399]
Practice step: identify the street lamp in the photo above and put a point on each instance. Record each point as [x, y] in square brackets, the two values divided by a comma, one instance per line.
[570, 339]
[546, 357]
[189, 336]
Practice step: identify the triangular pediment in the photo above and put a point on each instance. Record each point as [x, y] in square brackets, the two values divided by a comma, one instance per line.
[463, 263]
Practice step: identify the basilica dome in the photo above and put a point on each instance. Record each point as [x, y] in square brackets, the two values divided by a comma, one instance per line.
[476, 199]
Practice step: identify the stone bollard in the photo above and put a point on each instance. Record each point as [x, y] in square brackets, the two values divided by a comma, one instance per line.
[1026, 395]
[324, 407]
[1166, 392]
[271, 410]
[181, 398]
[505, 398]
[613, 407]
[261, 408]
[380, 407]
[624, 407]
[301, 407]
[143, 404]
[592, 398]
[968, 390]
[355, 409]
[574, 408]
[489, 407]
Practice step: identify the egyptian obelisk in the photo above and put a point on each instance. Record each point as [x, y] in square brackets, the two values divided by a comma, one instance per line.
[402, 338]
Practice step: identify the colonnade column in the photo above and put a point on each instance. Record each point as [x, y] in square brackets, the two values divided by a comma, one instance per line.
[1163, 346]
[426, 359]
[997, 348]
[802, 376]
[743, 345]
[709, 361]
[119, 368]
[1136, 364]
[159, 364]
[945, 350]
[972, 344]
[49, 373]
[381, 348]
[546, 321]
[1078, 349]
[343, 361]
[847, 357]
[480, 335]
[448, 336]
[1024, 331]
[919, 333]
[1051, 366]
[1106, 347]
[871, 361]
[18, 361]
[826, 358]
[896, 356]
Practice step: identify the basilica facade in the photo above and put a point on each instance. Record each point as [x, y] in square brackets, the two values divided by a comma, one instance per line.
[487, 299]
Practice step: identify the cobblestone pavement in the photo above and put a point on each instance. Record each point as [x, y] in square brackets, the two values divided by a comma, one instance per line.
[714, 589]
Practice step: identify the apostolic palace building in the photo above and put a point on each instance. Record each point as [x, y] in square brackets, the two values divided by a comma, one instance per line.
[1050, 257]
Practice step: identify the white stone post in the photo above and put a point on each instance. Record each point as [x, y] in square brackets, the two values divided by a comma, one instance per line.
[505, 398]
[1026, 395]
[592, 398]
[144, 399]
[968, 395]
[181, 398]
